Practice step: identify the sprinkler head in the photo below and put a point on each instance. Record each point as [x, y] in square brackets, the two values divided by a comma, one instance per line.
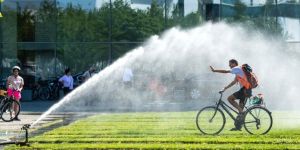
[25, 127]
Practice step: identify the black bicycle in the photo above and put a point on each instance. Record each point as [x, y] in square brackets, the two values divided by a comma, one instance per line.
[50, 91]
[256, 119]
[10, 108]
[54, 87]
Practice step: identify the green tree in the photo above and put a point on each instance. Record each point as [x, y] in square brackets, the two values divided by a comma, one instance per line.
[178, 19]
[26, 25]
[78, 31]
[239, 9]
[46, 22]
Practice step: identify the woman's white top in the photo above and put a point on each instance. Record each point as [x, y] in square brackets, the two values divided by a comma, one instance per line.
[67, 81]
[15, 82]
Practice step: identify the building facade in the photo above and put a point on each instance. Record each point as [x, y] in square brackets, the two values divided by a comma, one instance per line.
[45, 36]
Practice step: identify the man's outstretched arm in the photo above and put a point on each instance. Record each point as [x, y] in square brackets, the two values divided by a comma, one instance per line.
[219, 71]
[230, 84]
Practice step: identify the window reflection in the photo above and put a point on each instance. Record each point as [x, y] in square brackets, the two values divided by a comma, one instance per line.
[36, 32]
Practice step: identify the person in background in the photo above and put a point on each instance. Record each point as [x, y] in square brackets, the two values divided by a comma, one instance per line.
[88, 74]
[67, 81]
[156, 86]
[14, 87]
[127, 77]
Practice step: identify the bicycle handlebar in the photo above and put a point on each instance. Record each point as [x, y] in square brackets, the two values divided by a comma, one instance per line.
[221, 92]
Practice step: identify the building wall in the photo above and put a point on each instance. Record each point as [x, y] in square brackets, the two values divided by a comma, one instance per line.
[44, 42]
[31, 35]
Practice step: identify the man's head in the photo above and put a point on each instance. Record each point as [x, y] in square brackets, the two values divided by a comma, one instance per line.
[68, 71]
[233, 63]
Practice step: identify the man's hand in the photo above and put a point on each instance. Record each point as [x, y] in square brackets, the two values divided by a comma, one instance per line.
[212, 69]
[224, 89]
[219, 71]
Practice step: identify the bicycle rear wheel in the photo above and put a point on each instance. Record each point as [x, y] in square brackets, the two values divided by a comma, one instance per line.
[258, 120]
[10, 110]
[44, 93]
[210, 120]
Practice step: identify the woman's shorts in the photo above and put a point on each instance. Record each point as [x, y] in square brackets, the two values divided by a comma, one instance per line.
[14, 93]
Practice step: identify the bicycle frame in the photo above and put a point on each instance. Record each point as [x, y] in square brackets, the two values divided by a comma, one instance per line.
[226, 107]
[250, 119]
[2, 102]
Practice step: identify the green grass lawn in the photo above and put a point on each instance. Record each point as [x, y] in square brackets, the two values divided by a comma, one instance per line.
[161, 130]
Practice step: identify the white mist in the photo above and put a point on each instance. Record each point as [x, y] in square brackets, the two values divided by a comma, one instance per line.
[182, 53]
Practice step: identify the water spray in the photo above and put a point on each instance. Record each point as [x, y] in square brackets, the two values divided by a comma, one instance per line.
[162, 63]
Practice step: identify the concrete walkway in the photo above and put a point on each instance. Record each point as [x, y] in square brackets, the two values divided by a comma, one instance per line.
[30, 112]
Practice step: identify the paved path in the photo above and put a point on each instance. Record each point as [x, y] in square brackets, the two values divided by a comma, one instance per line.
[30, 111]
[36, 106]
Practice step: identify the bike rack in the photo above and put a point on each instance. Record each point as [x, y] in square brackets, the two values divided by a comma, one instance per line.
[24, 143]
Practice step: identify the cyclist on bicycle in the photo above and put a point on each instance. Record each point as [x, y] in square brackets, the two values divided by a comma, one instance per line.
[244, 92]
[14, 86]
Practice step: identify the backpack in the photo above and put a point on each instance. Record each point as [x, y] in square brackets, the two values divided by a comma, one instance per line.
[251, 77]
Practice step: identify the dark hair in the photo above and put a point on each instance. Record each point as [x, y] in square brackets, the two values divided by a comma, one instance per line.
[233, 61]
[15, 69]
[67, 70]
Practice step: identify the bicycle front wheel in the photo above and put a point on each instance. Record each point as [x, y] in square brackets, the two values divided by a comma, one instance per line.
[210, 120]
[258, 120]
[10, 110]
[35, 94]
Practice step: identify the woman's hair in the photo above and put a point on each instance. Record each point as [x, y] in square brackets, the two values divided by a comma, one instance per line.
[67, 70]
[233, 61]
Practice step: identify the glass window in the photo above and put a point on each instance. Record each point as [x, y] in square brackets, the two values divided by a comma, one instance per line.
[79, 57]
[118, 50]
[289, 19]
[36, 61]
[8, 59]
[26, 19]
[82, 21]
[136, 21]
[55, 34]
[9, 23]
[184, 13]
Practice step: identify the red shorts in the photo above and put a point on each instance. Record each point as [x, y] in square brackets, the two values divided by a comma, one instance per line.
[14, 93]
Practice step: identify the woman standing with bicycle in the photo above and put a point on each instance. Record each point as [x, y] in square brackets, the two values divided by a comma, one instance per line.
[14, 87]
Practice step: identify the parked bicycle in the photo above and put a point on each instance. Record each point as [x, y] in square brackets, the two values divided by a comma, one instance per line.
[54, 87]
[257, 119]
[46, 89]
[51, 90]
[37, 89]
[9, 107]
